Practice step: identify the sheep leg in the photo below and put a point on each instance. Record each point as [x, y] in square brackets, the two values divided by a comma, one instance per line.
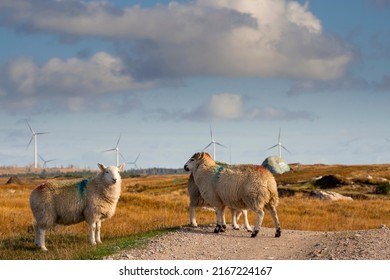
[259, 221]
[40, 237]
[92, 230]
[36, 239]
[193, 222]
[246, 222]
[235, 215]
[274, 214]
[97, 232]
[221, 223]
[223, 220]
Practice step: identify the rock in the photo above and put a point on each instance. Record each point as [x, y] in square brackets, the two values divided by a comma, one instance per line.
[322, 195]
[276, 165]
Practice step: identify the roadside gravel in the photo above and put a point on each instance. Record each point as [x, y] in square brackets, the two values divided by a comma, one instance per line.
[188, 243]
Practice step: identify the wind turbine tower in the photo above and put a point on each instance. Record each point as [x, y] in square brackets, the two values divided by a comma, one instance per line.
[279, 145]
[214, 143]
[34, 136]
[116, 149]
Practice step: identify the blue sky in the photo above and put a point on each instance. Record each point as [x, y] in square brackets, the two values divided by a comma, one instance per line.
[158, 73]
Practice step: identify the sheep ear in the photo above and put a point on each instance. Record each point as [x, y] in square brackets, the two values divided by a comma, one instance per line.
[122, 167]
[101, 167]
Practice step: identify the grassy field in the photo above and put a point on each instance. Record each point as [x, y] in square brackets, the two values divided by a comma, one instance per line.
[152, 205]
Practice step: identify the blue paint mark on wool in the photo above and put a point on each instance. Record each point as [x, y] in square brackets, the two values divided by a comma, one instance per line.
[217, 172]
[82, 186]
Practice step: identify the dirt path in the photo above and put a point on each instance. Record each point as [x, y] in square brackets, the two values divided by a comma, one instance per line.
[201, 243]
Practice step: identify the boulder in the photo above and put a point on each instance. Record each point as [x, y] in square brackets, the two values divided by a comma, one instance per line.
[333, 196]
[276, 165]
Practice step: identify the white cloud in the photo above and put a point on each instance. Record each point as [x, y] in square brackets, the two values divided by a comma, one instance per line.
[258, 38]
[77, 82]
[225, 106]
[228, 106]
[98, 74]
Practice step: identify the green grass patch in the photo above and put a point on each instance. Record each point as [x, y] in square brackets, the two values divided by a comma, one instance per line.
[114, 245]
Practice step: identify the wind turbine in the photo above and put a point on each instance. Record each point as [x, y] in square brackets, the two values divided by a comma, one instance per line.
[214, 143]
[132, 162]
[116, 149]
[279, 144]
[45, 161]
[35, 138]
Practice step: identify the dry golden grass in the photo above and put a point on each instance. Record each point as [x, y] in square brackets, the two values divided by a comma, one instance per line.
[304, 213]
[160, 202]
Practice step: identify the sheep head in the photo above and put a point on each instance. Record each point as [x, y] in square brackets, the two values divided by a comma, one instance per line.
[111, 174]
[194, 161]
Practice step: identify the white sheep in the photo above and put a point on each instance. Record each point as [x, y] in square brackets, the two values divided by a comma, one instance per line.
[252, 187]
[196, 200]
[70, 202]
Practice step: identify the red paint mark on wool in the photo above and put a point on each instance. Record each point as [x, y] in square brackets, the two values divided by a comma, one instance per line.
[41, 186]
[260, 168]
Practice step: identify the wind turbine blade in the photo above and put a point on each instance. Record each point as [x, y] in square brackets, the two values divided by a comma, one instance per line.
[41, 158]
[122, 156]
[32, 131]
[219, 144]
[28, 145]
[207, 146]
[211, 132]
[40, 133]
[110, 150]
[285, 148]
[280, 130]
[137, 158]
[272, 147]
[119, 139]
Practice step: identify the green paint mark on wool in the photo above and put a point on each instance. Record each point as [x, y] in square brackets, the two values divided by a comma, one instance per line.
[82, 186]
[217, 172]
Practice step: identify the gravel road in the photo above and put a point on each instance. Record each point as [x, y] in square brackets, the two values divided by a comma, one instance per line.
[188, 243]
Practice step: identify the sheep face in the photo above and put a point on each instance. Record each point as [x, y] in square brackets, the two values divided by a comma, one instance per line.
[111, 174]
[194, 160]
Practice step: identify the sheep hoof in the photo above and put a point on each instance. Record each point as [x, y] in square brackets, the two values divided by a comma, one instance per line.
[236, 228]
[254, 234]
[218, 229]
[193, 225]
[278, 233]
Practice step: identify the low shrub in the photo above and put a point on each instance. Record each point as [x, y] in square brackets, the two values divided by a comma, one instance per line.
[383, 188]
